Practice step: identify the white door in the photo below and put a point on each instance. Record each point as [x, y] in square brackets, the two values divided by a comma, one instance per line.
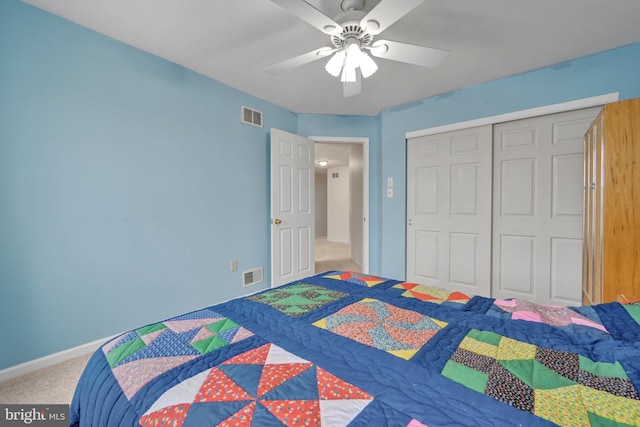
[537, 227]
[292, 207]
[449, 210]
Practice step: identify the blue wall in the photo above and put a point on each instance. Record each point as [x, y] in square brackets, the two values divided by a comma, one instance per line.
[616, 70]
[127, 185]
[116, 207]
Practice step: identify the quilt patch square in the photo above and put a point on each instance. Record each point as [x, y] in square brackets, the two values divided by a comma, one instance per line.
[356, 278]
[383, 326]
[634, 311]
[535, 379]
[518, 309]
[139, 356]
[431, 294]
[299, 299]
[263, 386]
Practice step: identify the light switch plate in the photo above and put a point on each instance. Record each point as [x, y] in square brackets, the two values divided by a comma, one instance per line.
[390, 182]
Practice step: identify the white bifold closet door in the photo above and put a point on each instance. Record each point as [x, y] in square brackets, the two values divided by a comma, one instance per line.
[449, 210]
[537, 207]
[497, 210]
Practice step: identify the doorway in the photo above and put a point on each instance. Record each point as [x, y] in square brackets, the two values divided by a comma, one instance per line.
[341, 204]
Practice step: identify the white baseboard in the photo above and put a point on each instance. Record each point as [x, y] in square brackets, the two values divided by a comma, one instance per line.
[64, 355]
[52, 359]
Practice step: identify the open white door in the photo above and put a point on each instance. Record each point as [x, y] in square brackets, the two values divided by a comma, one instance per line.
[292, 207]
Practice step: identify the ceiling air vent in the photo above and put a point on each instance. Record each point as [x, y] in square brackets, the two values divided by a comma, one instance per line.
[252, 277]
[251, 116]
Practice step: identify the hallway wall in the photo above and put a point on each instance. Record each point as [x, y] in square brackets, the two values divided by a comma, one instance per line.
[321, 204]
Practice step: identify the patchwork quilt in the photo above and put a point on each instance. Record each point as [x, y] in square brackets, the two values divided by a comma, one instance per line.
[344, 348]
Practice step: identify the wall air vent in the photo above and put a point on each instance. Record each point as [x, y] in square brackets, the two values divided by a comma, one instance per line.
[252, 277]
[251, 116]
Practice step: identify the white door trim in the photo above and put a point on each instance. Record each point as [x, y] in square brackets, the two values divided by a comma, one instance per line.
[365, 183]
[577, 104]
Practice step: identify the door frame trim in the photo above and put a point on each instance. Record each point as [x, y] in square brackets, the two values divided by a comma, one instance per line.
[577, 104]
[365, 184]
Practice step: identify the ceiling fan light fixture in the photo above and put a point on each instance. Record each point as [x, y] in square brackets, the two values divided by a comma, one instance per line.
[335, 63]
[367, 65]
[348, 74]
[353, 55]
[351, 63]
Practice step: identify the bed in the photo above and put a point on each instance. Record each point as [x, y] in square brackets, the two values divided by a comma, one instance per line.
[344, 348]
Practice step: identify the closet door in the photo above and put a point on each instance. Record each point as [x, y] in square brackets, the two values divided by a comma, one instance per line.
[538, 172]
[449, 210]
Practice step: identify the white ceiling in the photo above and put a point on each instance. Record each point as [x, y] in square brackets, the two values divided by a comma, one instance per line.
[233, 40]
[335, 154]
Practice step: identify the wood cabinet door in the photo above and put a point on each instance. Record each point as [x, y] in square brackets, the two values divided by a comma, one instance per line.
[592, 234]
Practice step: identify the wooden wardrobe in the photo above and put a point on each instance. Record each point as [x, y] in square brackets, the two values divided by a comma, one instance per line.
[611, 256]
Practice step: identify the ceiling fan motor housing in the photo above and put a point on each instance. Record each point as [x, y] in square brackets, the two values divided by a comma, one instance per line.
[351, 29]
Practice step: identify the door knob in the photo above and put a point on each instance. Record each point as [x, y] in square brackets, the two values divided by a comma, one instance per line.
[277, 221]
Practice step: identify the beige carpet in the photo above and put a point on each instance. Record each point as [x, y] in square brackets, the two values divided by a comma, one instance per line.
[333, 256]
[51, 385]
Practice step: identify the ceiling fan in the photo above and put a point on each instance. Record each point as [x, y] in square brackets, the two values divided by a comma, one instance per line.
[352, 35]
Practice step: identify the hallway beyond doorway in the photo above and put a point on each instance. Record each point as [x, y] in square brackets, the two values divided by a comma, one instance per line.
[333, 256]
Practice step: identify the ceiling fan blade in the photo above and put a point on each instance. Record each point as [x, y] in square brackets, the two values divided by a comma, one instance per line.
[353, 88]
[409, 53]
[311, 15]
[386, 13]
[299, 60]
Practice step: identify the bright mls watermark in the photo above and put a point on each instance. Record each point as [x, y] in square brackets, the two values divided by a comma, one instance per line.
[34, 415]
